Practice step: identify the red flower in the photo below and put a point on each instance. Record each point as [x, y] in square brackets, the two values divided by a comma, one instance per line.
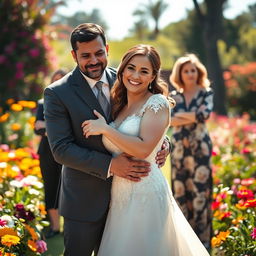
[250, 203]
[215, 205]
[245, 194]
[247, 182]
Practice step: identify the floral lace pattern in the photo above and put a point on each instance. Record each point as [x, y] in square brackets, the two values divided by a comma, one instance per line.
[124, 190]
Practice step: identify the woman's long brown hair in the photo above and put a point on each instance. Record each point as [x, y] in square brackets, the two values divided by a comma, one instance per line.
[119, 91]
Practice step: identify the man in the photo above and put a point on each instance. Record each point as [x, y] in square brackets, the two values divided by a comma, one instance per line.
[87, 165]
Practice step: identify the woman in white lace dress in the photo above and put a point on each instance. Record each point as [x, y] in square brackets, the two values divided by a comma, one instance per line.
[144, 219]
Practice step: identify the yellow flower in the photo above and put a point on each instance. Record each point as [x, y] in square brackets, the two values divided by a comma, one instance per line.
[16, 107]
[32, 245]
[9, 240]
[4, 117]
[15, 126]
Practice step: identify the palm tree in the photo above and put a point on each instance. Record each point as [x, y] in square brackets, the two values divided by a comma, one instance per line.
[153, 10]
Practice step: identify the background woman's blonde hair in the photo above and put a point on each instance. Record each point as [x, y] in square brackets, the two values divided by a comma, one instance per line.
[175, 77]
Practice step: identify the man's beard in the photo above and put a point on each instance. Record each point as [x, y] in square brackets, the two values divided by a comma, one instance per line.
[93, 74]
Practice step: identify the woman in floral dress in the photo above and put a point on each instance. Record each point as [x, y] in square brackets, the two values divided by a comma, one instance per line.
[191, 144]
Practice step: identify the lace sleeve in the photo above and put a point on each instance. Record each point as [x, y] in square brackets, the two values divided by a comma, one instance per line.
[156, 102]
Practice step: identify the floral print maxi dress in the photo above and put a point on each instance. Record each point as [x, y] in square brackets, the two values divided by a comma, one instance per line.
[190, 163]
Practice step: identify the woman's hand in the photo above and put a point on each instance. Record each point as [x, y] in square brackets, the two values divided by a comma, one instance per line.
[94, 127]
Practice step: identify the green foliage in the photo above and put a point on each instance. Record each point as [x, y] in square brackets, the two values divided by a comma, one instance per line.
[166, 47]
[24, 49]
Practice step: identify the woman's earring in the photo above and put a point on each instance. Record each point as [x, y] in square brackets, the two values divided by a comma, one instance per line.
[150, 86]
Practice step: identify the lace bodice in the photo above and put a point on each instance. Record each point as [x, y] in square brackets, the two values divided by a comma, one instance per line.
[131, 124]
[123, 189]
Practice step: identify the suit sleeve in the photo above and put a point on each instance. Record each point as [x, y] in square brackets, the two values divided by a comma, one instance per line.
[62, 141]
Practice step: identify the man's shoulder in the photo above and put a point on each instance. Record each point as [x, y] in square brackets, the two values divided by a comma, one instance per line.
[60, 84]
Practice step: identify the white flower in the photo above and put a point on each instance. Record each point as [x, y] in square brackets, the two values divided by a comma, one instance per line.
[9, 193]
[3, 165]
[33, 191]
[10, 222]
[16, 183]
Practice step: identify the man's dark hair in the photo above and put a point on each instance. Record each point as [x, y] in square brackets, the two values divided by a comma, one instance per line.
[86, 32]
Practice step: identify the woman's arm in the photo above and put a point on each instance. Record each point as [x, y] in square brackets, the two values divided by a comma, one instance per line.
[183, 118]
[151, 130]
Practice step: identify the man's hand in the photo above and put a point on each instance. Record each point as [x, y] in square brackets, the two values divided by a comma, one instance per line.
[39, 124]
[163, 153]
[124, 166]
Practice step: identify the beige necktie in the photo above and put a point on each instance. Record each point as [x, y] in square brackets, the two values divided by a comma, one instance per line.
[103, 99]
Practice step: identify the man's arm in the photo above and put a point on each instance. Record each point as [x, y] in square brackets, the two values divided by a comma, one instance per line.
[62, 141]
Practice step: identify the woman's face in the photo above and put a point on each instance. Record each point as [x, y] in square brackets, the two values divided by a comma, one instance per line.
[138, 74]
[189, 74]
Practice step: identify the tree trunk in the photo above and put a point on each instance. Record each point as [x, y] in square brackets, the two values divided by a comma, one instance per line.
[212, 28]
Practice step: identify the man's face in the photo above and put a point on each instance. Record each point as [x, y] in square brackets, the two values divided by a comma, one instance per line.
[91, 57]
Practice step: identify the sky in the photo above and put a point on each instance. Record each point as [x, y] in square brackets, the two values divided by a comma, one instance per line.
[118, 13]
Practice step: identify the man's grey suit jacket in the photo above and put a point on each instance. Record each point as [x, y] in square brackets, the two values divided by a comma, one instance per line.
[85, 190]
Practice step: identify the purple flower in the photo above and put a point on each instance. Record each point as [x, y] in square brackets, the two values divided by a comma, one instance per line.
[41, 246]
[253, 234]
[19, 207]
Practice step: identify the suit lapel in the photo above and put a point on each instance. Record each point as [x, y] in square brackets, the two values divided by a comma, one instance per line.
[84, 91]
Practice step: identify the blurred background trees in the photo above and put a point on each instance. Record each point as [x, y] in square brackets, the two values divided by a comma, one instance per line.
[35, 40]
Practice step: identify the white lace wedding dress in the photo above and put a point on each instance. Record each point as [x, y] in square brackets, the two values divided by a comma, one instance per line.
[144, 219]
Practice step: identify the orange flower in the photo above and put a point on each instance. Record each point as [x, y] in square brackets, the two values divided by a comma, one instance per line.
[31, 121]
[16, 107]
[32, 232]
[223, 235]
[237, 220]
[4, 117]
[7, 231]
[10, 101]
[27, 104]
[32, 245]
[216, 242]
[15, 126]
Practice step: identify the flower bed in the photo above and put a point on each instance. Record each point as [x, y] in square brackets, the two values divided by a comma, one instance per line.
[21, 203]
[234, 172]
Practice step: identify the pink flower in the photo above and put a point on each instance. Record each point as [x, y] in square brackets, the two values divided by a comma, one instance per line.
[236, 181]
[2, 59]
[19, 65]
[246, 151]
[41, 246]
[34, 52]
[253, 234]
[3, 222]
[19, 74]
